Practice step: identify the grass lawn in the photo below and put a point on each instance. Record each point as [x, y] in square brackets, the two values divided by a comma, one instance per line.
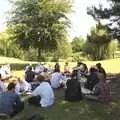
[84, 110]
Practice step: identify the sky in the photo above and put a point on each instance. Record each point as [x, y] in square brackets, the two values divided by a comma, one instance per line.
[81, 23]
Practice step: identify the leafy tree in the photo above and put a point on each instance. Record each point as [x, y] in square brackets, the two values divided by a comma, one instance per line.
[8, 47]
[64, 50]
[40, 24]
[77, 44]
[97, 44]
[112, 14]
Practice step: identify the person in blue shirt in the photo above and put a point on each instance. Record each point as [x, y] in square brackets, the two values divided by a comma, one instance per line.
[10, 103]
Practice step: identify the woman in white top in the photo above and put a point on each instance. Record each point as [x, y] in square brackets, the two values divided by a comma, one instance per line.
[56, 79]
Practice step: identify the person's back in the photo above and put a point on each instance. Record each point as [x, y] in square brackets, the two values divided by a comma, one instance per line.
[46, 94]
[29, 75]
[9, 101]
[73, 91]
[92, 79]
[56, 78]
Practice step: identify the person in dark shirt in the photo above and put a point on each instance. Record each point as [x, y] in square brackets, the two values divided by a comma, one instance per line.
[92, 79]
[57, 66]
[10, 103]
[29, 75]
[73, 90]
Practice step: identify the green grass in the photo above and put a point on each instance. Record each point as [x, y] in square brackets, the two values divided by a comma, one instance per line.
[111, 66]
[84, 110]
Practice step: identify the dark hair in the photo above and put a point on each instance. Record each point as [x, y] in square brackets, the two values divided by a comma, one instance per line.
[92, 70]
[79, 63]
[0, 76]
[74, 75]
[30, 68]
[98, 65]
[57, 70]
[11, 86]
[45, 70]
[40, 78]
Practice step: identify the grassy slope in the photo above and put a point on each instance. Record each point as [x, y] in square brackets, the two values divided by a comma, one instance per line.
[111, 66]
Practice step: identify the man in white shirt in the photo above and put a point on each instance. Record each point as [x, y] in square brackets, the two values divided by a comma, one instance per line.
[22, 86]
[56, 79]
[44, 91]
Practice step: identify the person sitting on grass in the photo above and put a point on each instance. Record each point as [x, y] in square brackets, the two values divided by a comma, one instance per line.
[43, 95]
[10, 103]
[22, 86]
[29, 75]
[92, 78]
[56, 79]
[46, 75]
[2, 85]
[66, 68]
[73, 90]
[101, 69]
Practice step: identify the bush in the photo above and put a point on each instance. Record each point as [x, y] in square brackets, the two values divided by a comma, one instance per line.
[19, 66]
[78, 57]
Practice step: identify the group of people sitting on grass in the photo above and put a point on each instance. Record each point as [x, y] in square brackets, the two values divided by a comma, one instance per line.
[39, 84]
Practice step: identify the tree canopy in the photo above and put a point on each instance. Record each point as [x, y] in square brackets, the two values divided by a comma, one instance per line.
[77, 44]
[39, 23]
[112, 14]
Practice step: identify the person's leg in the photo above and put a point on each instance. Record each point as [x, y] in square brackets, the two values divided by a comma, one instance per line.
[34, 101]
[17, 109]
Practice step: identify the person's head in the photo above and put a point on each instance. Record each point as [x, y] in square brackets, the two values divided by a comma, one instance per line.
[40, 78]
[74, 75]
[57, 70]
[79, 64]
[11, 87]
[30, 68]
[45, 70]
[0, 76]
[98, 65]
[66, 63]
[20, 80]
[93, 70]
[15, 81]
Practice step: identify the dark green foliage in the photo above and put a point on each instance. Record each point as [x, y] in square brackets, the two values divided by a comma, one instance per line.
[97, 45]
[77, 44]
[112, 14]
[40, 24]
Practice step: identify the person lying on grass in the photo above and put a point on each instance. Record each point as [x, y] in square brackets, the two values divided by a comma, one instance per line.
[43, 95]
[10, 103]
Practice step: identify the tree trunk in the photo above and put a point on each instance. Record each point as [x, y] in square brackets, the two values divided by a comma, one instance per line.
[39, 54]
